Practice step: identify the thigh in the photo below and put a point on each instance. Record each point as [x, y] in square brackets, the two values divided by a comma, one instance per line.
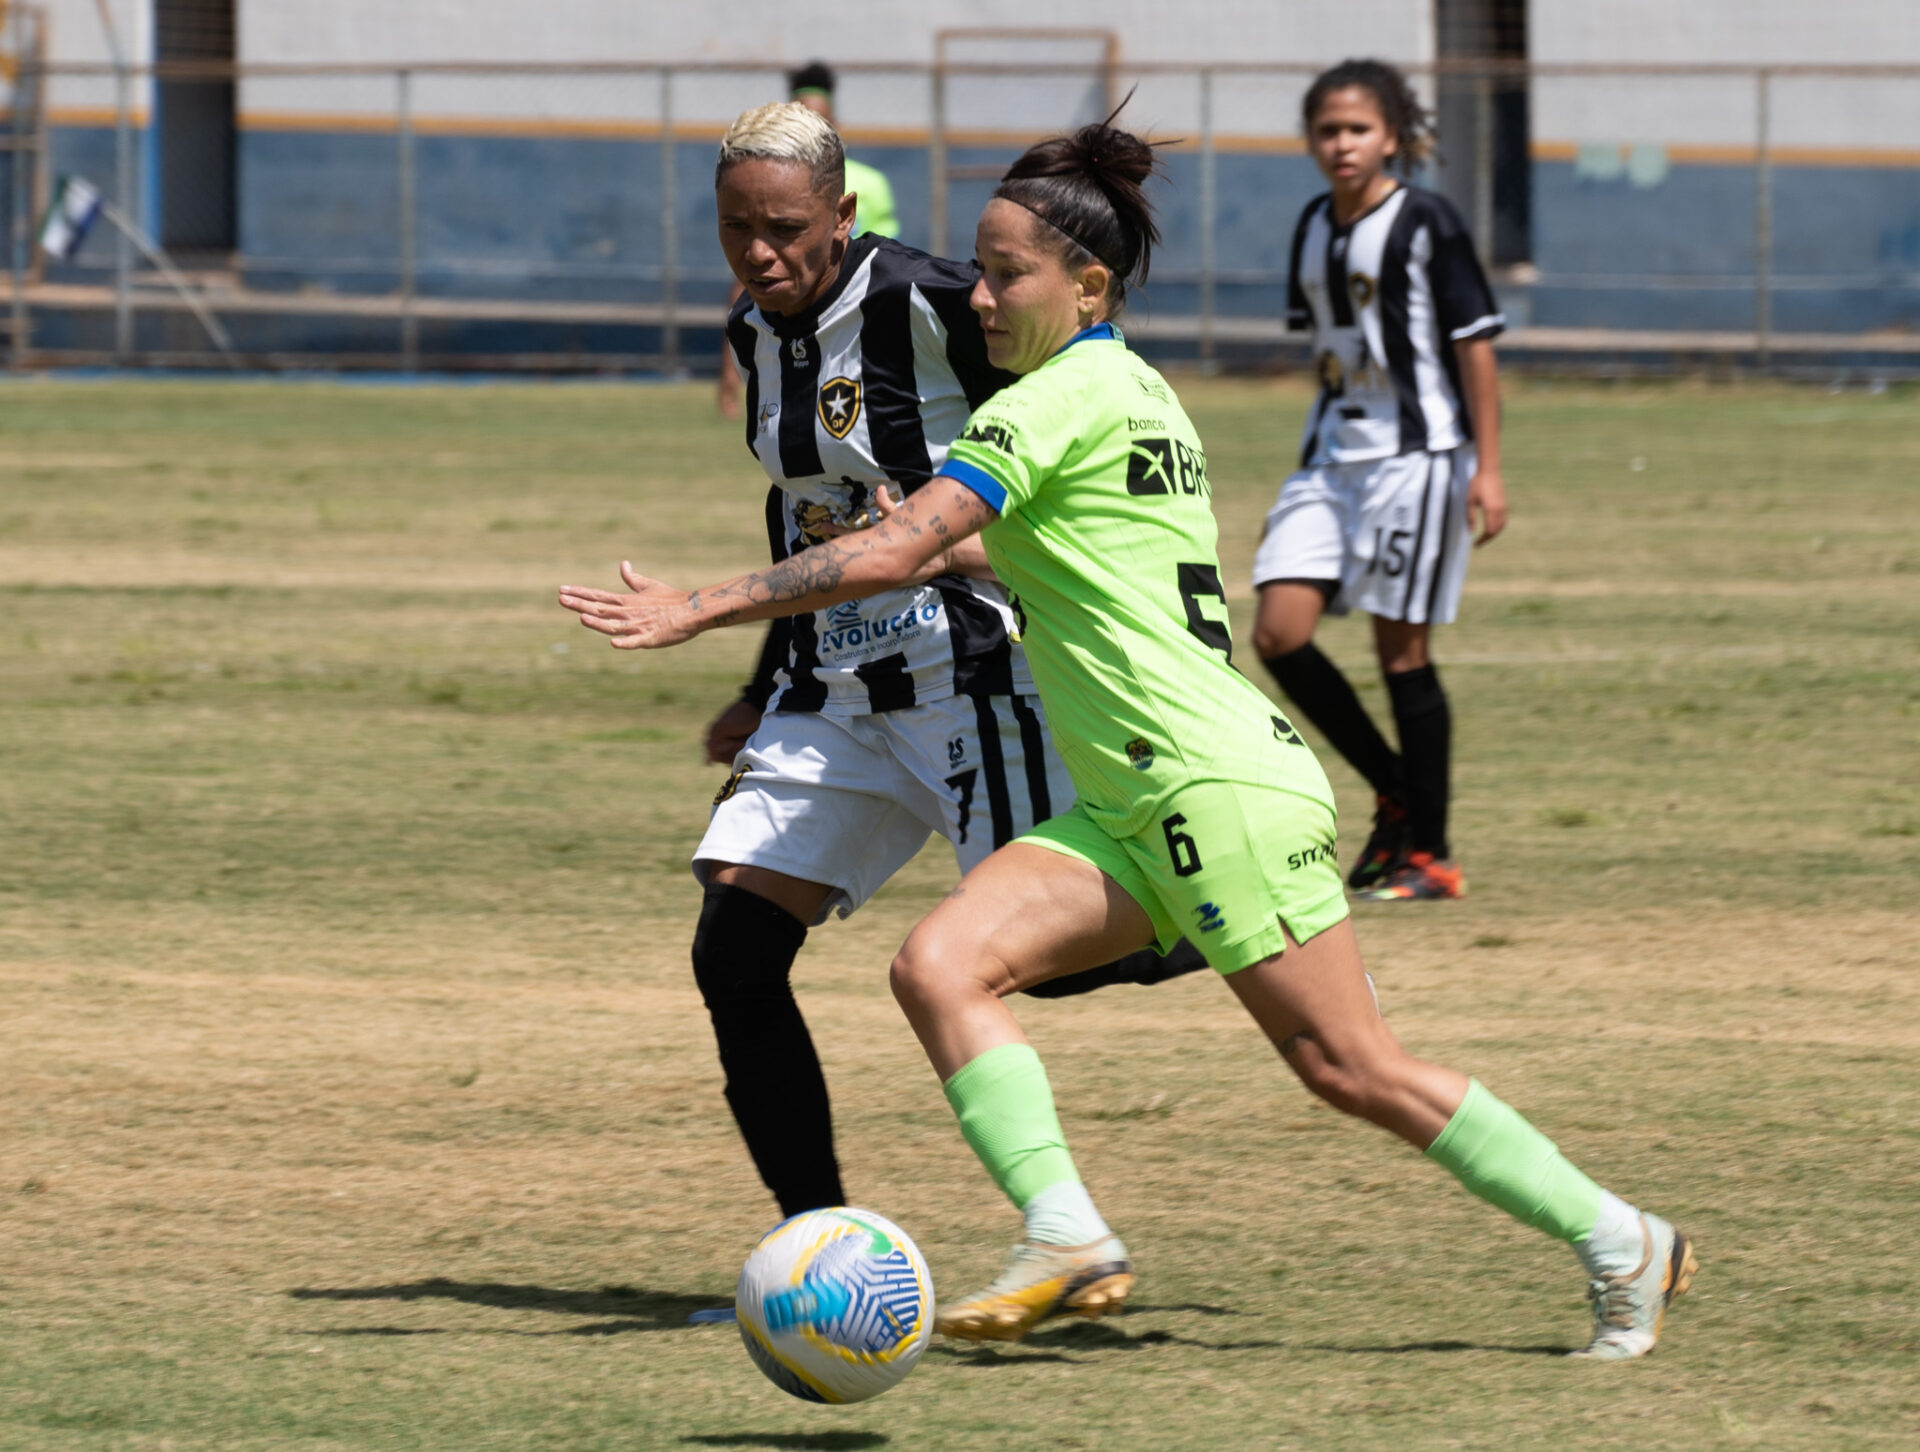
[1305, 536]
[1410, 538]
[811, 800]
[1029, 913]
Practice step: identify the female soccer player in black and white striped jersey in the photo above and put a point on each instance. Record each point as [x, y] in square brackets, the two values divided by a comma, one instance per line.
[1402, 449]
[885, 719]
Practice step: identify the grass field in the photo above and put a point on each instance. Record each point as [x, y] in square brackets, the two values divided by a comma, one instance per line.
[356, 1093]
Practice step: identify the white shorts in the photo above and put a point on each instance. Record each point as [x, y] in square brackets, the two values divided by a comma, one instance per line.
[1393, 532]
[848, 800]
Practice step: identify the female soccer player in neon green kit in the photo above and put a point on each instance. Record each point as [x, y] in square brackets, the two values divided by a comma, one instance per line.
[1199, 811]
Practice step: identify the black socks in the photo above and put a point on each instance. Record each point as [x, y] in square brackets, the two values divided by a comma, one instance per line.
[1425, 722]
[743, 952]
[1326, 698]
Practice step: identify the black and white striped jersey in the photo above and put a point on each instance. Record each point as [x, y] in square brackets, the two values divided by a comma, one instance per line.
[1387, 296]
[868, 386]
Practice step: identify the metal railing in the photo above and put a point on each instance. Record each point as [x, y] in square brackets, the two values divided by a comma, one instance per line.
[406, 287]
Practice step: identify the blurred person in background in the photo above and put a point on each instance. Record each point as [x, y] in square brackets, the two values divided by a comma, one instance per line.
[1401, 451]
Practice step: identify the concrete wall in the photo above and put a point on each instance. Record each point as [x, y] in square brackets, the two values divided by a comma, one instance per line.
[1643, 188]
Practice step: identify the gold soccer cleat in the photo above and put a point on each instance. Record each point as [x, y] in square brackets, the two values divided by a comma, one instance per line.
[1040, 1283]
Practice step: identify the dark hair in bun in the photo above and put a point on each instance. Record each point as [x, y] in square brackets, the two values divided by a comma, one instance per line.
[1088, 187]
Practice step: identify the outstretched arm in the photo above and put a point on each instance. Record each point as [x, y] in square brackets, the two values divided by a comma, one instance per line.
[884, 557]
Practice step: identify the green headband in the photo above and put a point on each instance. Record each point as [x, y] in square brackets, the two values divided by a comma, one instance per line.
[799, 91]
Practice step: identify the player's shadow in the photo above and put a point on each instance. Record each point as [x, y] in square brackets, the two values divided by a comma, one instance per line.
[1061, 1343]
[805, 1441]
[628, 1308]
[1407, 1348]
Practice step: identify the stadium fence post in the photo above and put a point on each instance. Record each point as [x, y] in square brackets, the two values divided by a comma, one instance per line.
[403, 133]
[1483, 164]
[669, 231]
[1762, 219]
[123, 195]
[17, 174]
[1208, 182]
[937, 160]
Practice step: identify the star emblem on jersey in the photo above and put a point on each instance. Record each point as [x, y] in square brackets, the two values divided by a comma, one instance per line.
[839, 406]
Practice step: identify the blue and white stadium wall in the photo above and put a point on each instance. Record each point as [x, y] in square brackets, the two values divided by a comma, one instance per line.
[1623, 237]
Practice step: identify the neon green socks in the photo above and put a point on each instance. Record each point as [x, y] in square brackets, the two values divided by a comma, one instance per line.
[1507, 1162]
[1005, 1106]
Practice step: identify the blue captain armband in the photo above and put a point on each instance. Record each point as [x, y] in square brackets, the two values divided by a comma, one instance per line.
[979, 481]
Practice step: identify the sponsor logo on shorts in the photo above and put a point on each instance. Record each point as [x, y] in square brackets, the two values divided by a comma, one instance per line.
[1283, 731]
[1211, 918]
[1140, 753]
[1319, 852]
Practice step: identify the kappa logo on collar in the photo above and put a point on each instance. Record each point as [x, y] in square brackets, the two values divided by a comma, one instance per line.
[839, 406]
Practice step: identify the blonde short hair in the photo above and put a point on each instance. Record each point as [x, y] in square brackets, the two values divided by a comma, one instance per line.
[787, 131]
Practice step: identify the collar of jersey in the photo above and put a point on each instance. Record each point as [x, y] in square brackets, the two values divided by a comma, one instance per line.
[1338, 226]
[1086, 335]
[805, 324]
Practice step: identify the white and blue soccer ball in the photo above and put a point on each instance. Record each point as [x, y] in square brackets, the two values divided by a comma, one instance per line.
[835, 1305]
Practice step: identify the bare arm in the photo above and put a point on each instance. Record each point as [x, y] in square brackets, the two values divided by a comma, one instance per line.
[888, 555]
[1480, 385]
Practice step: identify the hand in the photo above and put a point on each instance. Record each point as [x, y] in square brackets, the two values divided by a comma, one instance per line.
[1486, 505]
[729, 732]
[878, 510]
[652, 617]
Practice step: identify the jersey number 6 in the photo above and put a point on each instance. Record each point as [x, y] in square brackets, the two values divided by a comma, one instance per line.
[1186, 856]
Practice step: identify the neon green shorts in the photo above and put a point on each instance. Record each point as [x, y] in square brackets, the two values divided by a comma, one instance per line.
[1226, 866]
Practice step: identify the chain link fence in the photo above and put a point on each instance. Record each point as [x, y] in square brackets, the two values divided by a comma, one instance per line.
[559, 216]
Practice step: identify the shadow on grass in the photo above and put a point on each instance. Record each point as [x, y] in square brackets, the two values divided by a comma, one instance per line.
[632, 1309]
[807, 1441]
[1057, 1343]
[1408, 1347]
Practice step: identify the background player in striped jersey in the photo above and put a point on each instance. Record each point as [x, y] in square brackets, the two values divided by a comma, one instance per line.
[812, 86]
[906, 712]
[1401, 449]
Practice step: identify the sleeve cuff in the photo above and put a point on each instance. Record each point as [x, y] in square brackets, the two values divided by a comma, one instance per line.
[1486, 327]
[979, 481]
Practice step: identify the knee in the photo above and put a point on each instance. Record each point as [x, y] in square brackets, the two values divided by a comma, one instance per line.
[743, 948]
[1359, 1081]
[929, 970]
[1273, 638]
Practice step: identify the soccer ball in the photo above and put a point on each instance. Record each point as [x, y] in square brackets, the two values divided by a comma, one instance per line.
[835, 1305]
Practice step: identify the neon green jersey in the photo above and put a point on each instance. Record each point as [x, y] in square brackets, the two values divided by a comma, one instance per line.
[874, 211]
[1107, 539]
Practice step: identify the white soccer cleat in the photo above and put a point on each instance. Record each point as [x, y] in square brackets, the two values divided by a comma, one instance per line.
[1039, 1283]
[1628, 1309]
